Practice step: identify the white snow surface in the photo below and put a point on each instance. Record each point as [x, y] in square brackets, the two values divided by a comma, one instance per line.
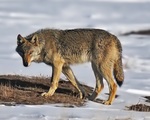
[116, 16]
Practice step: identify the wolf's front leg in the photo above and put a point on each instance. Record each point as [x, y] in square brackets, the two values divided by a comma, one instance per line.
[56, 71]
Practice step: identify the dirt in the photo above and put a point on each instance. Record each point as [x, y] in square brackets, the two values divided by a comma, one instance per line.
[139, 32]
[15, 89]
[140, 107]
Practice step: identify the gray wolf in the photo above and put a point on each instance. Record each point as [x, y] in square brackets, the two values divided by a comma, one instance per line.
[62, 48]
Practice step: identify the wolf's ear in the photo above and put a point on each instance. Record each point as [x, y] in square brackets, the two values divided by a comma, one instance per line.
[20, 40]
[35, 40]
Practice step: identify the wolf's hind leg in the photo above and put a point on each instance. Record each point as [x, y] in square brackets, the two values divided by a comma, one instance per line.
[108, 75]
[99, 82]
[67, 71]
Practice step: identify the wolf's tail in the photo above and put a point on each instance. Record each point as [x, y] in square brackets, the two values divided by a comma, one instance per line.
[118, 72]
[118, 68]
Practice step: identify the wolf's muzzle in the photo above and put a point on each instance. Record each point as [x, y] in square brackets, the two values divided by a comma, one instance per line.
[26, 60]
[25, 64]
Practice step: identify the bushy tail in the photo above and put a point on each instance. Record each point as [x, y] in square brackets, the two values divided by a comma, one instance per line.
[118, 72]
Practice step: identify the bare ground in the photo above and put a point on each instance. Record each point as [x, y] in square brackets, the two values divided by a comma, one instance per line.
[139, 107]
[138, 32]
[16, 89]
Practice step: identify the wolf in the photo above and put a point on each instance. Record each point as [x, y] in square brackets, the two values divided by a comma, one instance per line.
[62, 48]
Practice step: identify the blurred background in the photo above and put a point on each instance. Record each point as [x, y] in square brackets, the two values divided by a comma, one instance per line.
[117, 16]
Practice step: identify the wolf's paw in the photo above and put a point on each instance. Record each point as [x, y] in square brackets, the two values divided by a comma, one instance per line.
[49, 93]
[45, 94]
[106, 102]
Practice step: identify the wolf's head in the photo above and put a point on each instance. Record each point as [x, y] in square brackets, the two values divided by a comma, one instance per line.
[28, 49]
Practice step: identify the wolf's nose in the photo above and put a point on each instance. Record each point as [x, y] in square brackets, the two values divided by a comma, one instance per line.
[25, 64]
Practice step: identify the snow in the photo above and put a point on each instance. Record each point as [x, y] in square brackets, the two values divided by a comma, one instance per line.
[116, 16]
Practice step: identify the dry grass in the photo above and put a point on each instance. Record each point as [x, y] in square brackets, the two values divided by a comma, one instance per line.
[27, 90]
[140, 107]
[15, 89]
